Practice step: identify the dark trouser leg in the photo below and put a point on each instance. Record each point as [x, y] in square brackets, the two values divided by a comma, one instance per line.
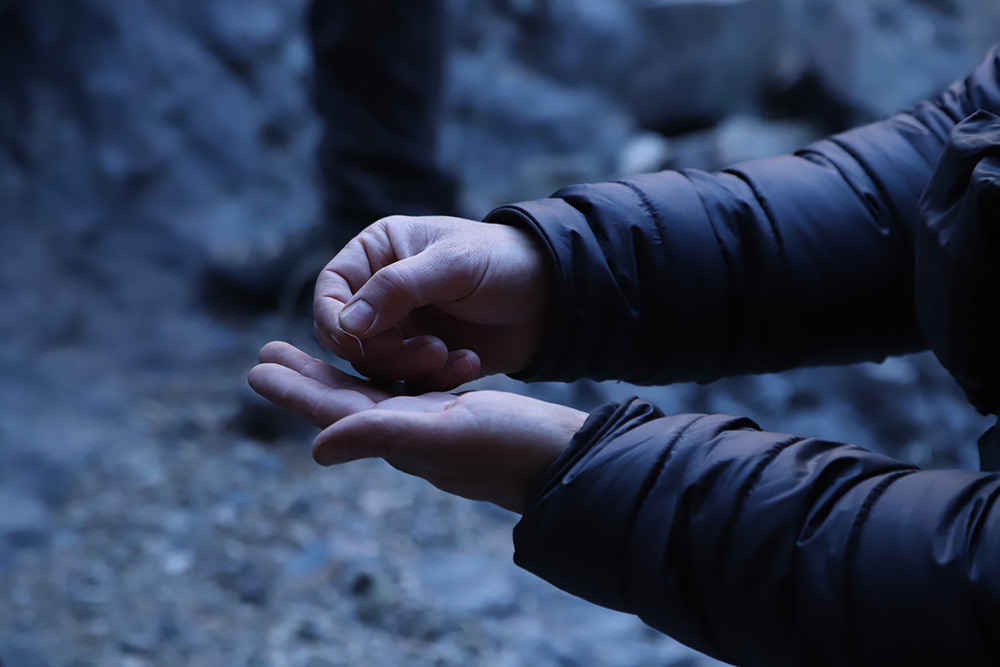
[379, 70]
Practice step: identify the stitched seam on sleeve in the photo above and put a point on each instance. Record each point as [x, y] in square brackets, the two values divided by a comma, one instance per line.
[744, 491]
[665, 244]
[661, 228]
[654, 215]
[851, 550]
[779, 241]
[727, 355]
[820, 158]
[661, 460]
[781, 256]
[646, 489]
[876, 181]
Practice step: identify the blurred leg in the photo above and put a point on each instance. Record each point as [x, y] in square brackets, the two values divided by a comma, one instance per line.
[379, 70]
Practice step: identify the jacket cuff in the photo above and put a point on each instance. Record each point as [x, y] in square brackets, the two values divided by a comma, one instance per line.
[632, 278]
[597, 425]
[542, 365]
[574, 555]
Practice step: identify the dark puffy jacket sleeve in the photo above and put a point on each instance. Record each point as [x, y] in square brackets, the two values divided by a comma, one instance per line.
[766, 549]
[798, 260]
[957, 273]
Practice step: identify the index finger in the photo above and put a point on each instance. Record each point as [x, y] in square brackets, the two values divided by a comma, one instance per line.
[351, 268]
[289, 356]
[314, 401]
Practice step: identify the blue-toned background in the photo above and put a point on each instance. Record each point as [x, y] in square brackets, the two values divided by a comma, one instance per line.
[154, 512]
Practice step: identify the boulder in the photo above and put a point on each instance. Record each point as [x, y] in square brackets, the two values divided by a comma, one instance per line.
[511, 134]
[879, 56]
[701, 60]
[189, 115]
[581, 43]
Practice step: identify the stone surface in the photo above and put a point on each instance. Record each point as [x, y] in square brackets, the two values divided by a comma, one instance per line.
[524, 136]
[469, 584]
[701, 60]
[882, 55]
[24, 523]
[190, 115]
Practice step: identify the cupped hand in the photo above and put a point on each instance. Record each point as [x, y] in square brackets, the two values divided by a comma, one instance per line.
[483, 445]
[436, 301]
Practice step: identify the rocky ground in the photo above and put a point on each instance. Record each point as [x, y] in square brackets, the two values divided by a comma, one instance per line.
[154, 512]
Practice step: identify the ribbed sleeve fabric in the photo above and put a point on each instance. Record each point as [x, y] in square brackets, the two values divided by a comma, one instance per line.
[798, 260]
[768, 549]
[760, 548]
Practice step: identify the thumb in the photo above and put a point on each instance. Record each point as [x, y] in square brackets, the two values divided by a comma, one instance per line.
[436, 275]
[374, 433]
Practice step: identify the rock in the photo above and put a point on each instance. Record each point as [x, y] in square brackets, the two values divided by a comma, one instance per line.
[504, 149]
[134, 111]
[882, 55]
[643, 153]
[309, 630]
[742, 137]
[700, 60]
[466, 584]
[21, 651]
[739, 138]
[376, 596]
[251, 585]
[25, 522]
[671, 63]
[167, 626]
[89, 584]
[247, 580]
[580, 634]
[312, 562]
[581, 43]
[140, 642]
[177, 562]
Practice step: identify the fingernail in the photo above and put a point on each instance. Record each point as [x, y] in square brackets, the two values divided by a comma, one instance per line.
[462, 366]
[357, 317]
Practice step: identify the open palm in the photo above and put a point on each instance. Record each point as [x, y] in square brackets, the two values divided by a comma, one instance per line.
[484, 445]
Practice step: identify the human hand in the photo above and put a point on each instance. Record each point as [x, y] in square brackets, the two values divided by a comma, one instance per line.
[433, 300]
[483, 445]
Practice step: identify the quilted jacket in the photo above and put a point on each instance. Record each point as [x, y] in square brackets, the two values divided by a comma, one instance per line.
[762, 548]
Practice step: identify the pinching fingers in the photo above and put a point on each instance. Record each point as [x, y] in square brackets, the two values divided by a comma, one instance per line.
[354, 348]
[416, 357]
[460, 367]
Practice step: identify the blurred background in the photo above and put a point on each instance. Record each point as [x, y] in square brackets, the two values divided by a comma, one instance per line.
[165, 186]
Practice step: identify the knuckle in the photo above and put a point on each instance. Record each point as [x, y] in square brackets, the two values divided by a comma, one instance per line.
[390, 221]
[313, 368]
[395, 277]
